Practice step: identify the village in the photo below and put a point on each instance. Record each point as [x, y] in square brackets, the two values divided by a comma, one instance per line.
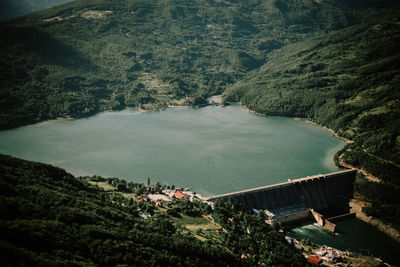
[186, 208]
[191, 213]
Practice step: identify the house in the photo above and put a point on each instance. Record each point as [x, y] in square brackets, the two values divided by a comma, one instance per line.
[314, 260]
[179, 194]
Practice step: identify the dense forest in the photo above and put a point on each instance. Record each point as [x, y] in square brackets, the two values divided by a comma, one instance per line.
[334, 62]
[50, 218]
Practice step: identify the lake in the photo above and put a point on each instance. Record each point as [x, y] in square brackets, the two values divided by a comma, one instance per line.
[212, 149]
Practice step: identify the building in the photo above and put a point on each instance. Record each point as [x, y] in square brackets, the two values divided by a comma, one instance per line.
[314, 260]
[179, 194]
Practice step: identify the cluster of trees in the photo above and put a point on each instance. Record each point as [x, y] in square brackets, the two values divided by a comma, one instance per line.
[384, 199]
[122, 185]
[48, 217]
[248, 234]
[385, 170]
[188, 208]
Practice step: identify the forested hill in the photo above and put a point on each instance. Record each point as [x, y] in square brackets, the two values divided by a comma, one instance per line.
[50, 218]
[348, 80]
[86, 56]
[333, 61]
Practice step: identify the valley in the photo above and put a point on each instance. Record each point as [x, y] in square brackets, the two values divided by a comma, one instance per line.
[95, 63]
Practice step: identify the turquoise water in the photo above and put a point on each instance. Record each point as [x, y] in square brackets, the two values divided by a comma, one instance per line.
[212, 149]
[354, 235]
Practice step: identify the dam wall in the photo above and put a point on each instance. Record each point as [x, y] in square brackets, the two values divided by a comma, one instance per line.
[317, 192]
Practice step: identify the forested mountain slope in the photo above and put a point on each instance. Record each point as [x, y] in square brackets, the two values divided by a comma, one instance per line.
[50, 218]
[348, 80]
[13, 8]
[87, 56]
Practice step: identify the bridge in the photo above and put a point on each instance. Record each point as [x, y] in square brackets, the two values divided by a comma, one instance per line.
[298, 196]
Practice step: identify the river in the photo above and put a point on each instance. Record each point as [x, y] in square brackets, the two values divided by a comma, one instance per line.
[212, 149]
[353, 235]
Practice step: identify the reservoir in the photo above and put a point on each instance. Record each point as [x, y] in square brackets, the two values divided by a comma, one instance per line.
[213, 149]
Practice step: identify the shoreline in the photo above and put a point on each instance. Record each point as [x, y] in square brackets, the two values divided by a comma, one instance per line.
[330, 130]
[355, 204]
[387, 229]
[69, 118]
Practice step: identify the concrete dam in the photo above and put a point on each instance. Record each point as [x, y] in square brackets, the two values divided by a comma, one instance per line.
[299, 196]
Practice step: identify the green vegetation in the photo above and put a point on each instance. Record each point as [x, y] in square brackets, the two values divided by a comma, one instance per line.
[347, 80]
[87, 56]
[249, 235]
[50, 218]
[334, 62]
[384, 199]
[330, 61]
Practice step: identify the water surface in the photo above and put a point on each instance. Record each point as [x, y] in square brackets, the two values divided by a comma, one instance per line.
[354, 235]
[212, 149]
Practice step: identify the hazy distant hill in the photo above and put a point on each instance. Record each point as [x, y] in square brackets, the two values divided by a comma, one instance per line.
[13, 8]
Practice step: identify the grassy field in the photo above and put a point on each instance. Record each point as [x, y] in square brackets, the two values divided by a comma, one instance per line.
[104, 185]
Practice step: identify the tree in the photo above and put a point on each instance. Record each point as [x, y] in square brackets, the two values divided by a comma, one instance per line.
[157, 187]
[121, 187]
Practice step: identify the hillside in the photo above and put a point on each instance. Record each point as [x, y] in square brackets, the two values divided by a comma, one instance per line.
[87, 56]
[12, 9]
[50, 218]
[347, 80]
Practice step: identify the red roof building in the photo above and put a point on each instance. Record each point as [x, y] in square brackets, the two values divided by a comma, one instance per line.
[179, 194]
[314, 260]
